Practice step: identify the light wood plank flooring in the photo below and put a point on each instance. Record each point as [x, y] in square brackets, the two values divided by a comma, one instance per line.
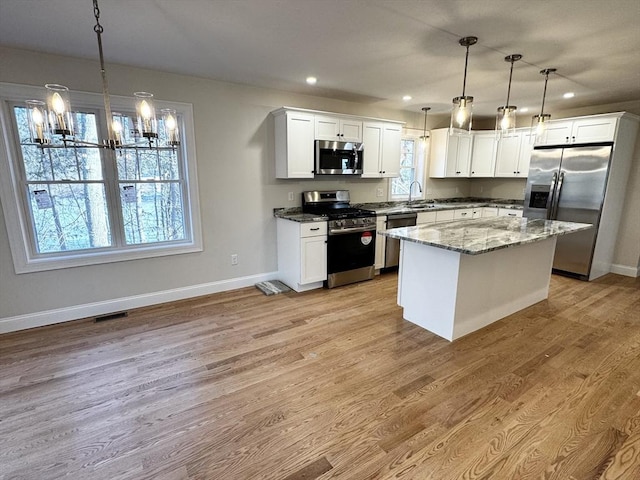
[328, 384]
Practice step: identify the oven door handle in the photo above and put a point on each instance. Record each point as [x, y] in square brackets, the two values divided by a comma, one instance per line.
[343, 231]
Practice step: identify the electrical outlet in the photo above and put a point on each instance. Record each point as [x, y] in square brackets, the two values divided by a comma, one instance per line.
[481, 189]
[234, 259]
[379, 192]
[291, 196]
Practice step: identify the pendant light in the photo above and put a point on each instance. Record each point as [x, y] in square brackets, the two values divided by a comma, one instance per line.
[506, 118]
[539, 122]
[424, 129]
[55, 118]
[461, 111]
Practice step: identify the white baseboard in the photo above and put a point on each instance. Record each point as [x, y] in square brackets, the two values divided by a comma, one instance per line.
[625, 270]
[50, 317]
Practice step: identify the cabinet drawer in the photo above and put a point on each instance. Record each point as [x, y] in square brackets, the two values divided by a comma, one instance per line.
[509, 212]
[313, 229]
[463, 214]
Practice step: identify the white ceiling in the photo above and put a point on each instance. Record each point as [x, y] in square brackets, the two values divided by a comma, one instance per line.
[372, 51]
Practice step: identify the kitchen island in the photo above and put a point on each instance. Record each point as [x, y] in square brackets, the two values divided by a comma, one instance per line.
[457, 277]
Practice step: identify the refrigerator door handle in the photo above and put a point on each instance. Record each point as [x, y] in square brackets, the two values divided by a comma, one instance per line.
[552, 190]
[557, 196]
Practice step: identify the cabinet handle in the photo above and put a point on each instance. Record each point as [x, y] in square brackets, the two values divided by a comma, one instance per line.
[473, 172]
[573, 139]
[314, 229]
[566, 139]
[463, 214]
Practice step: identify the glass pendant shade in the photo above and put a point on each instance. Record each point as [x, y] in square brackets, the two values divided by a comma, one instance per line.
[506, 118]
[37, 119]
[170, 121]
[462, 109]
[539, 122]
[461, 113]
[59, 109]
[539, 125]
[146, 113]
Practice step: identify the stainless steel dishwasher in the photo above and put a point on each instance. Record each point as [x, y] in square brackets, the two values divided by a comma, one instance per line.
[392, 250]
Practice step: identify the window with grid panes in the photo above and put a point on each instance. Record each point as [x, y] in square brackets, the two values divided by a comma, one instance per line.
[411, 168]
[84, 205]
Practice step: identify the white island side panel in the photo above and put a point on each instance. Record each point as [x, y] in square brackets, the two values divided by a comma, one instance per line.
[453, 294]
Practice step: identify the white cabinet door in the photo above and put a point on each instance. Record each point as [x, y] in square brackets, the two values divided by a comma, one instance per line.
[597, 129]
[514, 154]
[351, 130]
[372, 147]
[508, 154]
[381, 145]
[336, 128]
[450, 155]
[489, 212]
[556, 133]
[381, 242]
[483, 154]
[390, 159]
[509, 212]
[313, 259]
[294, 132]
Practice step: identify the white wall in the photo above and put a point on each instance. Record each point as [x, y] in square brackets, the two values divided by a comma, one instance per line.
[237, 184]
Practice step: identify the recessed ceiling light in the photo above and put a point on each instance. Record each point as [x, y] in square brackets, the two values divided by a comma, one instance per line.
[312, 80]
[406, 98]
[569, 95]
[523, 110]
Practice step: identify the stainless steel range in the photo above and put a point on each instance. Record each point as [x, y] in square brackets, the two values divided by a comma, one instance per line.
[351, 240]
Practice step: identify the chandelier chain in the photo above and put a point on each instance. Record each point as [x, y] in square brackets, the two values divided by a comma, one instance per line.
[96, 13]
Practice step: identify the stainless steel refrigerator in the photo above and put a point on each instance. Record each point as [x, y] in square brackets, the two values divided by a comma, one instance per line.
[570, 184]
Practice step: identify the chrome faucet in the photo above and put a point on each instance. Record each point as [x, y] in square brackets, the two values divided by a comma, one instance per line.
[411, 188]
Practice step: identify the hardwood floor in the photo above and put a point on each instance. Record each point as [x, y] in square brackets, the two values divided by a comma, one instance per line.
[328, 384]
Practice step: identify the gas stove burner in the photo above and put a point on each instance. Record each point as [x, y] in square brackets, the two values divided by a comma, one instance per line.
[333, 204]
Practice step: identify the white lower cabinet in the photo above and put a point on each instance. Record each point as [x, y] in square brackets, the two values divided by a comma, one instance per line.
[509, 212]
[302, 254]
[489, 212]
[381, 242]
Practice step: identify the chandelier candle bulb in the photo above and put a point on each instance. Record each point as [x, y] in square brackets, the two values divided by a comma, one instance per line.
[36, 118]
[58, 104]
[147, 123]
[171, 126]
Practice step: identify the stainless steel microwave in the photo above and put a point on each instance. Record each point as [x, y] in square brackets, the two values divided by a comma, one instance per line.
[338, 158]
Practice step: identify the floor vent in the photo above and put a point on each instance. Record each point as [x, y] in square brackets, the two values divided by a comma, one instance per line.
[111, 316]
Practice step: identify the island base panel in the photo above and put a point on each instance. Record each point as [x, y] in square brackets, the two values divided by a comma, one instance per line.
[453, 294]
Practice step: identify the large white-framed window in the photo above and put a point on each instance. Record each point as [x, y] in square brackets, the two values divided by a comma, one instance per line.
[412, 168]
[74, 206]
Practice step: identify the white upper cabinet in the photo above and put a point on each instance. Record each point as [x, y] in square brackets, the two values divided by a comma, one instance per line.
[336, 128]
[514, 154]
[594, 128]
[381, 146]
[483, 154]
[450, 154]
[294, 134]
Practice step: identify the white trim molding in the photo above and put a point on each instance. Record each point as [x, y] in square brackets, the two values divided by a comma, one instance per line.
[625, 270]
[88, 310]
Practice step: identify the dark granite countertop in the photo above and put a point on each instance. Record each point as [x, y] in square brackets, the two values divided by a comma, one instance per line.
[482, 235]
[386, 208]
